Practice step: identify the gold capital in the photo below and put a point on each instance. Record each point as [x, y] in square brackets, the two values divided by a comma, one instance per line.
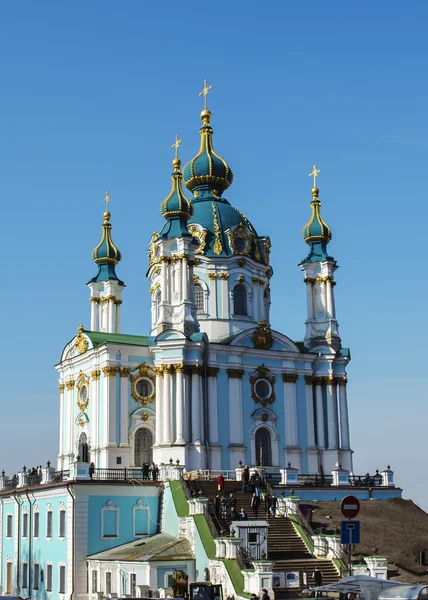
[70, 384]
[289, 377]
[179, 367]
[315, 174]
[204, 93]
[96, 374]
[61, 388]
[235, 373]
[110, 371]
[212, 275]
[124, 371]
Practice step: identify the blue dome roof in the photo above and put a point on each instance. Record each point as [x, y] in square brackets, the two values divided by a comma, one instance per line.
[316, 232]
[106, 254]
[176, 204]
[207, 168]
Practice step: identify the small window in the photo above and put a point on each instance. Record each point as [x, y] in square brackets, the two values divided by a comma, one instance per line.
[94, 582]
[133, 584]
[36, 576]
[62, 523]
[9, 526]
[48, 578]
[108, 583]
[253, 538]
[36, 524]
[118, 460]
[62, 579]
[239, 300]
[25, 575]
[25, 525]
[110, 520]
[49, 524]
[199, 299]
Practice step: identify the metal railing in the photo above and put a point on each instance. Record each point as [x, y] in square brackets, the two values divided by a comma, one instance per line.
[100, 474]
[211, 474]
[315, 479]
[365, 480]
[60, 475]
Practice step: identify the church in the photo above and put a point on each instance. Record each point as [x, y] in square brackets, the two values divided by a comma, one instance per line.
[211, 384]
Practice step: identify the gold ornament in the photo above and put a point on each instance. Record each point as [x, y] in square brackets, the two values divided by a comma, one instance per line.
[81, 341]
[96, 374]
[82, 384]
[262, 337]
[144, 371]
[200, 234]
[61, 388]
[70, 384]
[144, 416]
[218, 248]
[262, 373]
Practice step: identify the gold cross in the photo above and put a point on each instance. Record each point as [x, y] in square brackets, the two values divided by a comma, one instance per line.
[204, 92]
[315, 174]
[106, 200]
[176, 145]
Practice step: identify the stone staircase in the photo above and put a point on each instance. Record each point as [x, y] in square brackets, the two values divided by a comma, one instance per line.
[285, 547]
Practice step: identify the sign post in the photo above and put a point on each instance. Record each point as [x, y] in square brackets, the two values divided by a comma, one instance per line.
[350, 507]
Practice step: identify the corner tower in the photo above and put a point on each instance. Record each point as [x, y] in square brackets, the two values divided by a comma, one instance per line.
[319, 267]
[106, 288]
[232, 272]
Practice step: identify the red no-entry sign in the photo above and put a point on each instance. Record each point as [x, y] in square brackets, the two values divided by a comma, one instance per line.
[350, 507]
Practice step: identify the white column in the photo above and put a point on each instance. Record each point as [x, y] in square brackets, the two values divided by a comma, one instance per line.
[196, 435]
[94, 401]
[118, 303]
[70, 410]
[290, 405]
[93, 314]
[224, 296]
[184, 284]
[235, 405]
[213, 295]
[167, 403]
[257, 312]
[61, 419]
[164, 296]
[328, 297]
[333, 304]
[190, 282]
[332, 414]
[213, 405]
[179, 404]
[159, 405]
[178, 279]
[320, 413]
[124, 417]
[310, 411]
[344, 422]
[309, 298]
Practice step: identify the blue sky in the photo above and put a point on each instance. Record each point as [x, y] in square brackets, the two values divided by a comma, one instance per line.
[92, 95]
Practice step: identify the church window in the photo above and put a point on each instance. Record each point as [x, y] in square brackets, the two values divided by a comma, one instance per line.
[49, 524]
[144, 388]
[94, 582]
[263, 447]
[62, 523]
[239, 300]
[61, 589]
[9, 526]
[141, 519]
[36, 524]
[158, 305]
[83, 448]
[133, 584]
[25, 575]
[263, 389]
[143, 452]
[36, 576]
[240, 244]
[25, 525]
[108, 583]
[48, 578]
[199, 299]
[110, 520]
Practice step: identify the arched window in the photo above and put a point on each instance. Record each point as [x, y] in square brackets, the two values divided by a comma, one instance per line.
[83, 448]
[263, 447]
[239, 300]
[143, 452]
[158, 304]
[199, 299]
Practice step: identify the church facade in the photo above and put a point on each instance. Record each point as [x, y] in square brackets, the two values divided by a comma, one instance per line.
[211, 385]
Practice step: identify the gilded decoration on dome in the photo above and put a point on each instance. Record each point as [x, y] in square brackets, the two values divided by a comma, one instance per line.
[81, 342]
[152, 248]
[82, 384]
[262, 338]
[200, 233]
[267, 247]
[218, 248]
[143, 384]
[262, 386]
[240, 239]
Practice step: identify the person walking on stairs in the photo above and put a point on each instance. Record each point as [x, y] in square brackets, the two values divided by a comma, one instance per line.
[265, 595]
[245, 478]
[317, 577]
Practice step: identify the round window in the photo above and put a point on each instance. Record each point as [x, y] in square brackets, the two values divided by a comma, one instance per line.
[83, 393]
[144, 388]
[240, 244]
[263, 389]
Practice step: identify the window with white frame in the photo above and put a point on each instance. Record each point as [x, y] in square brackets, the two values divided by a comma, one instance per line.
[24, 575]
[61, 587]
[94, 582]
[62, 523]
[36, 576]
[25, 525]
[36, 527]
[49, 520]
[110, 520]
[108, 583]
[9, 526]
[239, 300]
[158, 304]
[199, 299]
[133, 584]
[141, 519]
[49, 577]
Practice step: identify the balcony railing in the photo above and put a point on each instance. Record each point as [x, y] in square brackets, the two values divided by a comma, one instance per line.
[122, 475]
[316, 480]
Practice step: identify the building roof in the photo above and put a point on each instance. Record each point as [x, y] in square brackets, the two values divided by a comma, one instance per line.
[99, 338]
[156, 547]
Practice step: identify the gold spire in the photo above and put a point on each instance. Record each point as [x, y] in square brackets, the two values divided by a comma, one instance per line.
[176, 162]
[106, 200]
[315, 173]
[204, 93]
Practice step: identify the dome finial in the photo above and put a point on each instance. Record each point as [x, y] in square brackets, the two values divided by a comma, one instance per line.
[315, 173]
[107, 214]
[106, 251]
[176, 163]
[205, 114]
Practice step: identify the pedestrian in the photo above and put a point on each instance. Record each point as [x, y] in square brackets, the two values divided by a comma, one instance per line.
[220, 482]
[273, 503]
[216, 505]
[91, 469]
[254, 597]
[243, 515]
[223, 504]
[232, 501]
[155, 472]
[255, 503]
[265, 595]
[317, 577]
[146, 470]
[234, 516]
[245, 478]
